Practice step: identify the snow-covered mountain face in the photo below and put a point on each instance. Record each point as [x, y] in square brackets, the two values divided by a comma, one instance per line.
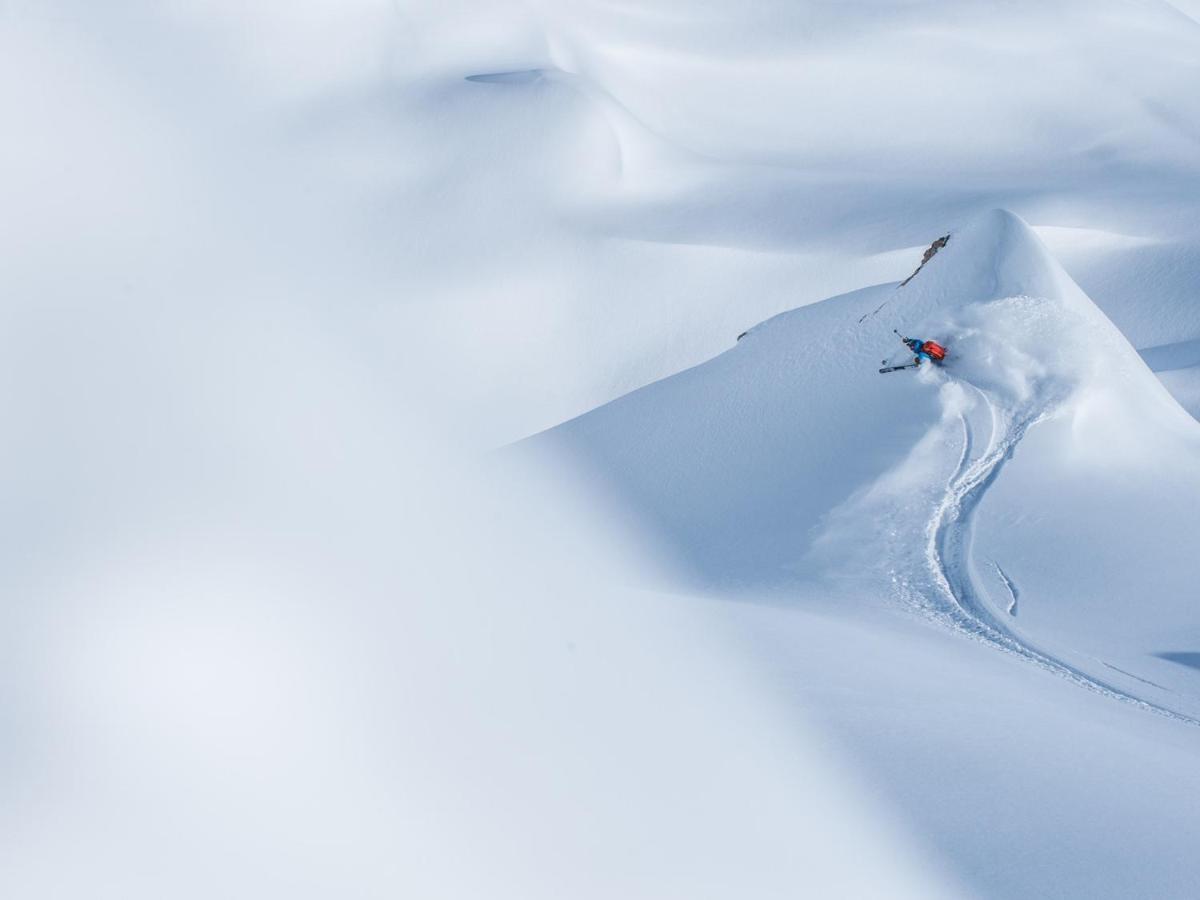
[626, 168]
[1034, 497]
[568, 200]
[268, 633]
[275, 271]
[1040, 482]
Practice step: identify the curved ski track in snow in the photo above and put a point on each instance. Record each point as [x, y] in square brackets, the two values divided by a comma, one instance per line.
[950, 536]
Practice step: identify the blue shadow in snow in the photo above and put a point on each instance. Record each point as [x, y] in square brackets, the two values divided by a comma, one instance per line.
[525, 76]
[1192, 660]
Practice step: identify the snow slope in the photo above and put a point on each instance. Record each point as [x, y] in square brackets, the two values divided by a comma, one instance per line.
[1035, 495]
[274, 270]
[651, 179]
[268, 633]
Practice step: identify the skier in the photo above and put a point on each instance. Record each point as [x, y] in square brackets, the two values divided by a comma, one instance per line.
[930, 351]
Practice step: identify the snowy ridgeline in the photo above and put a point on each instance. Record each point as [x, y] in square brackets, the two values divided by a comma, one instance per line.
[638, 182]
[269, 632]
[1042, 460]
[1037, 494]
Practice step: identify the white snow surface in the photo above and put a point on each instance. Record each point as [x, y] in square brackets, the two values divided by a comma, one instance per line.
[669, 160]
[1032, 499]
[763, 623]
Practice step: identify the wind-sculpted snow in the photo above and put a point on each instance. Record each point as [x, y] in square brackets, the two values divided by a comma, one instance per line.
[789, 461]
[268, 268]
[982, 572]
[606, 193]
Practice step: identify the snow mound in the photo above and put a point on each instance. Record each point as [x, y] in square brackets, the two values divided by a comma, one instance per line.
[1044, 461]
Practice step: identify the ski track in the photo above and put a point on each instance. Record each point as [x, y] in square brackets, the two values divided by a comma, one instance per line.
[963, 601]
[1010, 587]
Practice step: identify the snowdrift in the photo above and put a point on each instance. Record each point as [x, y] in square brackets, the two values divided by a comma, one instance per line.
[621, 187]
[1038, 492]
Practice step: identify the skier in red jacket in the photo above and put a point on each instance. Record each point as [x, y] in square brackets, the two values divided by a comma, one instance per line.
[922, 350]
[925, 350]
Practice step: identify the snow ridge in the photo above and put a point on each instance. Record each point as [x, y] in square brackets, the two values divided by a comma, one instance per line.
[777, 472]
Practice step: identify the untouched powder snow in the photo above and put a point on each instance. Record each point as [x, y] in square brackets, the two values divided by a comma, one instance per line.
[1043, 463]
[267, 632]
[605, 193]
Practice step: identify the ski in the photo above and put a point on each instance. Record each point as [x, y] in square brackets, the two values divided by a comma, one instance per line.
[897, 368]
